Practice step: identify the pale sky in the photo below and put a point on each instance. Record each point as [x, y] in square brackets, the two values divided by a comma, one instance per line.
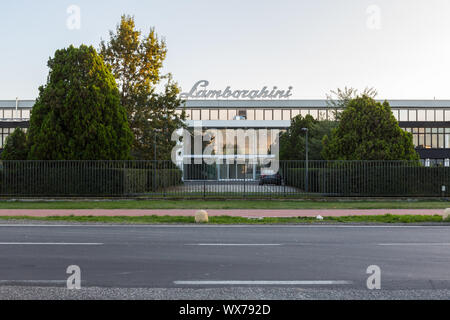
[400, 47]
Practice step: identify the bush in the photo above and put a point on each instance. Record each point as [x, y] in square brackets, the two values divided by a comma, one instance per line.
[371, 179]
[16, 146]
[87, 178]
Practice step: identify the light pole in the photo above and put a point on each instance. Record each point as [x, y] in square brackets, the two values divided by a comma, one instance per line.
[155, 160]
[307, 164]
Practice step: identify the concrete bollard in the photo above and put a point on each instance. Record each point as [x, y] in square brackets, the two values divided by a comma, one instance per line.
[446, 214]
[201, 216]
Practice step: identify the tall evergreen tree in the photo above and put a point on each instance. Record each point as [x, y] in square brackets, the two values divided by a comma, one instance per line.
[368, 130]
[78, 115]
[16, 147]
[136, 61]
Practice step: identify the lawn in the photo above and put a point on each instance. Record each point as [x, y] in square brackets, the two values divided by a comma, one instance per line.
[226, 204]
[388, 218]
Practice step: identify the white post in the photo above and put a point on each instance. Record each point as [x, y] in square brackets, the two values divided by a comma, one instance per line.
[17, 106]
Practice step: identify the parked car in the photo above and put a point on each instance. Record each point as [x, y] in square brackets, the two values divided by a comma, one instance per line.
[270, 178]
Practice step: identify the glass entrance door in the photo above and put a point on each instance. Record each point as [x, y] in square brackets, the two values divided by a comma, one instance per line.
[236, 171]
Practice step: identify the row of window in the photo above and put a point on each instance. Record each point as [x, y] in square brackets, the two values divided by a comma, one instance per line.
[14, 114]
[4, 133]
[272, 114]
[436, 162]
[430, 138]
[319, 114]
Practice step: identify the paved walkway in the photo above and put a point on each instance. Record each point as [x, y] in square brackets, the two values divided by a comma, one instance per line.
[219, 212]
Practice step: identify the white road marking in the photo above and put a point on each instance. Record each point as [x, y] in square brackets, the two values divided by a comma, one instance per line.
[263, 283]
[48, 244]
[33, 281]
[414, 244]
[222, 226]
[234, 244]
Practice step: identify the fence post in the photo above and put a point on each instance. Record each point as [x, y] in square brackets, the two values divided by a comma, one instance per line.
[204, 189]
[125, 180]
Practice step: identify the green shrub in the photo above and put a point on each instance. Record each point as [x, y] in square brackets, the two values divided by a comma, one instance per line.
[371, 179]
[88, 178]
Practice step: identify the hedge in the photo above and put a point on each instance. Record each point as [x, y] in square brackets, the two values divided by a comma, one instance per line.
[83, 179]
[374, 180]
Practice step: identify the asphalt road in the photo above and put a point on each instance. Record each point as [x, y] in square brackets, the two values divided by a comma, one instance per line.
[224, 262]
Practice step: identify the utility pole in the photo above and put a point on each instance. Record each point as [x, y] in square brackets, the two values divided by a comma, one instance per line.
[307, 160]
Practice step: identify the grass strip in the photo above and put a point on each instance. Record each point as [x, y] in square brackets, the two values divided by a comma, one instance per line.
[224, 204]
[388, 218]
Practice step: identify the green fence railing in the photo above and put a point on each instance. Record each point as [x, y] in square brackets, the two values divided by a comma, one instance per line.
[163, 179]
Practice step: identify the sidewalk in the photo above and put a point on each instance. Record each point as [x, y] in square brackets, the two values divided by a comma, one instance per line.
[218, 212]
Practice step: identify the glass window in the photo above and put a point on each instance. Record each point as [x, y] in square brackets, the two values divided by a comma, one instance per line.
[441, 141]
[428, 141]
[295, 112]
[251, 114]
[214, 114]
[395, 112]
[430, 115]
[277, 114]
[268, 114]
[231, 114]
[434, 141]
[322, 114]
[314, 113]
[421, 115]
[205, 114]
[447, 140]
[8, 114]
[447, 115]
[412, 115]
[331, 114]
[259, 114]
[304, 112]
[421, 138]
[416, 140]
[223, 114]
[286, 114]
[242, 113]
[439, 115]
[188, 114]
[403, 115]
[195, 114]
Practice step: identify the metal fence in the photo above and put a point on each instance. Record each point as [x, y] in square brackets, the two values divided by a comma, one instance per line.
[163, 179]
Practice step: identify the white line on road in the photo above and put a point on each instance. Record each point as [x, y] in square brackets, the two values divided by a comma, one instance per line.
[264, 283]
[48, 244]
[414, 244]
[234, 244]
[222, 226]
[32, 281]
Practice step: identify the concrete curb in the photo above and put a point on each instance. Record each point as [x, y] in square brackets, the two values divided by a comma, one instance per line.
[254, 213]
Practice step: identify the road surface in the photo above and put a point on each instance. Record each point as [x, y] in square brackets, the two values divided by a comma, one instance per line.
[224, 262]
